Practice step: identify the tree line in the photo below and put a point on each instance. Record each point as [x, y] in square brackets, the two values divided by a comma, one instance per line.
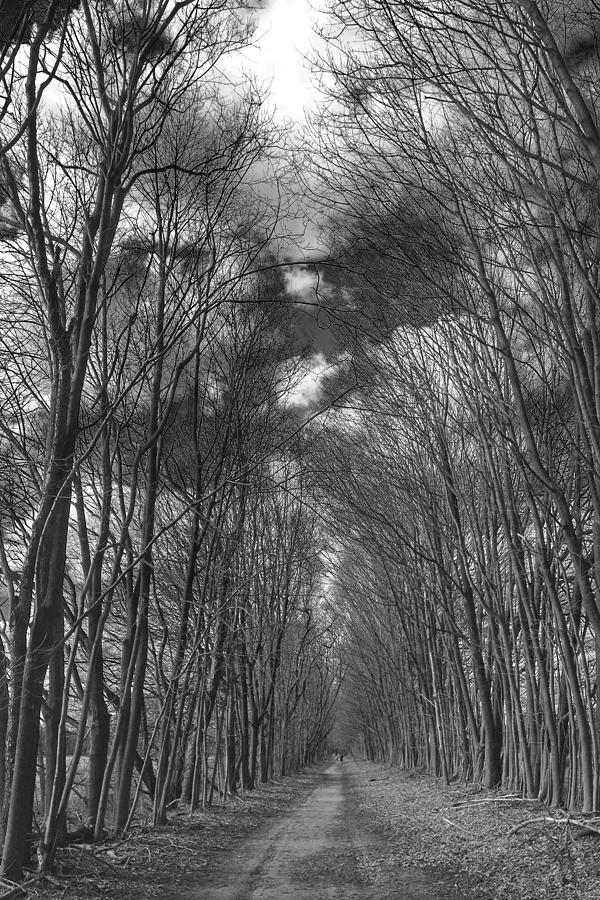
[162, 640]
[461, 157]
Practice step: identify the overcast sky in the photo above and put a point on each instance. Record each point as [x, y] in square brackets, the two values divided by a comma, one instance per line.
[285, 37]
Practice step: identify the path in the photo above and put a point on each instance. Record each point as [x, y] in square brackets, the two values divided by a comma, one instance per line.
[321, 850]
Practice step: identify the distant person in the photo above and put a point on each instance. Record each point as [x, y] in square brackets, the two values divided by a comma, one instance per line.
[341, 757]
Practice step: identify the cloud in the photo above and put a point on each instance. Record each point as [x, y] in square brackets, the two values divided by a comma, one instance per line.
[307, 388]
[284, 39]
[313, 319]
[301, 280]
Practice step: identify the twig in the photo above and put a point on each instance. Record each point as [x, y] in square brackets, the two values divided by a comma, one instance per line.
[576, 822]
[456, 825]
[14, 889]
[105, 848]
[495, 800]
[95, 856]
[53, 881]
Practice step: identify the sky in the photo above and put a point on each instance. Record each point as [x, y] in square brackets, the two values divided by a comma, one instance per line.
[285, 37]
[279, 59]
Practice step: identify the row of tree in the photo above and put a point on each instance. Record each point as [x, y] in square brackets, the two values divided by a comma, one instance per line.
[160, 565]
[464, 484]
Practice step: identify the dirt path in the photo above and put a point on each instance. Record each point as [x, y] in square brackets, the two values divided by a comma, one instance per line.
[321, 849]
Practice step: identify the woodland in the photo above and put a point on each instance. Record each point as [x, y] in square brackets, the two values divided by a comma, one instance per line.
[255, 503]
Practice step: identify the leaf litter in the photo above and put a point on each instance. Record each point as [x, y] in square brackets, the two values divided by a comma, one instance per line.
[497, 846]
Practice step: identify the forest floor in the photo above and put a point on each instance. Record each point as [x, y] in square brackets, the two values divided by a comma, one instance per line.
[346, 830]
